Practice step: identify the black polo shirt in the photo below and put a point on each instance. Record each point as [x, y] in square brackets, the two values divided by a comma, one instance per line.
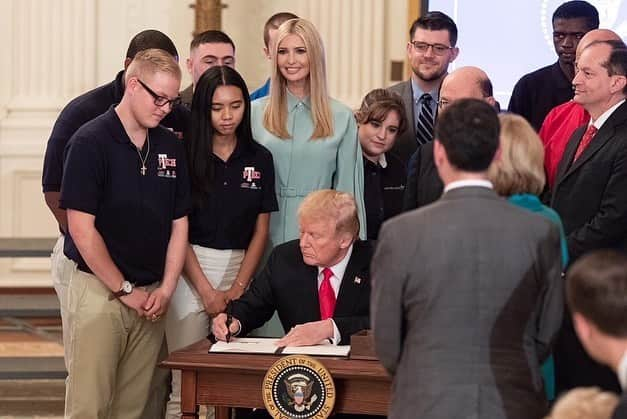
[83, 109]
[133, 213]
[383, 192]
[538, 92]
[243, 188]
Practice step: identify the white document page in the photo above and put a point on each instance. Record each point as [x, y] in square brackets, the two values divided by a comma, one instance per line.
[268, 346]
[246, 345]
[326, 349]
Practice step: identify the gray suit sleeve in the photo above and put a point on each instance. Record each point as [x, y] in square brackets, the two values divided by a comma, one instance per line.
[551, 306]
[386, 308]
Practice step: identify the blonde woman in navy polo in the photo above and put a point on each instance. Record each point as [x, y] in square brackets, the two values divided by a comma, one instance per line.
[232, 178]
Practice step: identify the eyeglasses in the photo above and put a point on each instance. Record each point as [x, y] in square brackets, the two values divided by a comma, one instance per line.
[161, 100]
[443, 103]
[423, 47]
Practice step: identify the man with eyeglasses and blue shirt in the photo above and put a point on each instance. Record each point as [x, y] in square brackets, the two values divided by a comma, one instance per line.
[430, 51]
[538, 92]
[126, 192]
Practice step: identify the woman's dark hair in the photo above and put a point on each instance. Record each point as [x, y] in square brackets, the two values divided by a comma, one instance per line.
[199, 136]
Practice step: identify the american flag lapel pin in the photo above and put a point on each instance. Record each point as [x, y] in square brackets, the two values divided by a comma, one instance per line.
[357, 280]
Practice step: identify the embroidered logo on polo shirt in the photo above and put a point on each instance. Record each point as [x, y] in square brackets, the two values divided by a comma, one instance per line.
[166, 167]
[250, 175]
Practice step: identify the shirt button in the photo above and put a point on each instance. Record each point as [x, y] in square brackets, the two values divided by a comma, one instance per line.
[225, 183]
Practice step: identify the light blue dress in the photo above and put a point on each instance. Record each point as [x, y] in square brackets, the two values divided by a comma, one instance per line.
[303, 165]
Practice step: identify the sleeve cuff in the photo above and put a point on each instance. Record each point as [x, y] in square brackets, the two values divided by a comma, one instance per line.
[337, 338]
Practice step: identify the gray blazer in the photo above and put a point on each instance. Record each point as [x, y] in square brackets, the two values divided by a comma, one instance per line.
[406, 143]
[467, 300]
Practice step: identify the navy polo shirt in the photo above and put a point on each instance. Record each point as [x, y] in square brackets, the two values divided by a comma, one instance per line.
[83, 109]
[243, 188]
[133, 213]
[383, 192]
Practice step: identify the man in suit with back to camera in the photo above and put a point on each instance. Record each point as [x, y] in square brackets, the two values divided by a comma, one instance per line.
[589, 191]
[319, 284]
[430, 50]
[467, 294]
[424, 185]
[596, 290]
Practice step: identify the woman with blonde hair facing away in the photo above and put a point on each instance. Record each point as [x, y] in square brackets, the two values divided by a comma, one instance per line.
[312, 137]
[518, 174]
[585, 403]
[380, 118]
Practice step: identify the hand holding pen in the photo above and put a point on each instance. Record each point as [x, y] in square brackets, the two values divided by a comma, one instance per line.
[229, 320]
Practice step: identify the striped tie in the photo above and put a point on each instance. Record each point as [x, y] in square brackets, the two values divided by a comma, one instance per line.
[424, 126]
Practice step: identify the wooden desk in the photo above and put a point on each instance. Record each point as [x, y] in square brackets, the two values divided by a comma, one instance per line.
[234, 380]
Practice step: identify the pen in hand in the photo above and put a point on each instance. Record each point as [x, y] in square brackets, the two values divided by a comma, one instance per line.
[229, 320]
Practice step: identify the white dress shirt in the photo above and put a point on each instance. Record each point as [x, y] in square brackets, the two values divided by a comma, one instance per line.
[468, 182]
[622, 372]
[598, 123]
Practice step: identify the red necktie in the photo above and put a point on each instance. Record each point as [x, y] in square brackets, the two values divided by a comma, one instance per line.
[326, 296]
[587, 137]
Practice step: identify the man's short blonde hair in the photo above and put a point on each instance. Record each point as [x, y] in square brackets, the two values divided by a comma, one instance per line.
[520, 168]
[327, 204]
[151, 61]
[585, 403]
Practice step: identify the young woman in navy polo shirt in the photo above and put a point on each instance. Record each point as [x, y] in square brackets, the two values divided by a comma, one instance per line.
[232, 179]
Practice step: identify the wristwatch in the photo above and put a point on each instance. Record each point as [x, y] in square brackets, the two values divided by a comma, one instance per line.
[125, 289]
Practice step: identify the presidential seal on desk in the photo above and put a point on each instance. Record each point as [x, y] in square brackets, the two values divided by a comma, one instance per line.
[298, 386]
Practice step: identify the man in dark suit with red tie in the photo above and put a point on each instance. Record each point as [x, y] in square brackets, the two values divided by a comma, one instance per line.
[590, 192]
[319, 284]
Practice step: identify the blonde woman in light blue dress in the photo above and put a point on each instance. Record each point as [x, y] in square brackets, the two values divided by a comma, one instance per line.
[312, 137]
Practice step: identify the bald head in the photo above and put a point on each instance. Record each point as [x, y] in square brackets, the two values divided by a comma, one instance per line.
[596, 35]
[466, 83]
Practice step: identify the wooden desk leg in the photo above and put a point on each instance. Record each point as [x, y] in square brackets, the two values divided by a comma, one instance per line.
[189, 408]
[223, 412]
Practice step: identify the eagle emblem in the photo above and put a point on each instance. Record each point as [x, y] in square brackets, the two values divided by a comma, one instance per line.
[298, 388]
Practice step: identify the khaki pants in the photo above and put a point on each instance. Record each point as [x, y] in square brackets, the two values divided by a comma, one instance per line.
[112, 351]
[57, 261]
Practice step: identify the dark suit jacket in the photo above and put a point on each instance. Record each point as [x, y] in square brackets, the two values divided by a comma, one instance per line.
[467, 299]
[424, 185]
[187, 95]
[590, 195]
[621, 409]
[406, 144]
[290, 287]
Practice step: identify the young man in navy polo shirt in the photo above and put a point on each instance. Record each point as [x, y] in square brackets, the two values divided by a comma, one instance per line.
[126, 192]
[80, 110]
[83, 109]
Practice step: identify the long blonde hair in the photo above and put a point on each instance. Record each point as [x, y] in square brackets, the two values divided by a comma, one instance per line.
[275, 114]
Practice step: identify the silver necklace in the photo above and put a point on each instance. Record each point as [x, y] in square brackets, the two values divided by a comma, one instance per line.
[145, 158]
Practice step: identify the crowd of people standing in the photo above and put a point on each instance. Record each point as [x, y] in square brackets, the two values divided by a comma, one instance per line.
[447, 226]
